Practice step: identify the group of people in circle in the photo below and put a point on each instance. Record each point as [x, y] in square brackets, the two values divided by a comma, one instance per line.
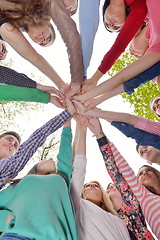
[52, 201]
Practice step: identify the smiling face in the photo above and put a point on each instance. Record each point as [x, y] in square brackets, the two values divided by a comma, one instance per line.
[92, 192]
[114, 18]
[41, 34]
[148, 177]
[149, 153]
[155, 105]
[9, 144]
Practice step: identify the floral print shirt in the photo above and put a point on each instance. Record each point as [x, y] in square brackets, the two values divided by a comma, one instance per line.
[130, 211]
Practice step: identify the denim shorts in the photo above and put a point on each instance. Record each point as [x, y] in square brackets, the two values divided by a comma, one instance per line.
[12, 236]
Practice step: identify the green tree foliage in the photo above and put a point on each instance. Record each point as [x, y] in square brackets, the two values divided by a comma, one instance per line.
[140, 99]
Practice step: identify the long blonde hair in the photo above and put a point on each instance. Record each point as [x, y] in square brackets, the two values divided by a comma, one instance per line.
[106, 202]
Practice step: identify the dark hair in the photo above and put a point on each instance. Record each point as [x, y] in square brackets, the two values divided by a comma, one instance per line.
[105, 6]
[16, 135]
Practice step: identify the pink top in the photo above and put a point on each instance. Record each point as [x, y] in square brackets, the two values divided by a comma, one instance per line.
[148, 126]
[152, 33]
[149, 202]
[133, 22]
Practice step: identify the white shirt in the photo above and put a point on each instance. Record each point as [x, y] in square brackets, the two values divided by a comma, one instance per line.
[93, 222]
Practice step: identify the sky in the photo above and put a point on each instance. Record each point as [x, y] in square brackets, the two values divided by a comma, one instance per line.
[56, 55]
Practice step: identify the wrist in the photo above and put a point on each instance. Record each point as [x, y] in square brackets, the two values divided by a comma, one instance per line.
[98, 134]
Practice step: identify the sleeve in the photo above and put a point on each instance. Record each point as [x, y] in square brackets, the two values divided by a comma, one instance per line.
[142, 78]
[64, 156]
[11, 77]
[138, 189]
[88, 25]
[77, 181]
[133, 22]
[116, 176]
[14, 93]
[141, 137]
[148, 126]
[10, 167]
[67, 28]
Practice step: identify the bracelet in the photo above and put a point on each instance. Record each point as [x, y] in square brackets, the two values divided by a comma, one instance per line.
[98, 134]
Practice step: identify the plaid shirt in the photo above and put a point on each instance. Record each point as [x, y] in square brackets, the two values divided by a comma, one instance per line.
[10, 167]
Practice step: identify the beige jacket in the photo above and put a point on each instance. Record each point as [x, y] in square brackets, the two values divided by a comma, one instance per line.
[68, 30]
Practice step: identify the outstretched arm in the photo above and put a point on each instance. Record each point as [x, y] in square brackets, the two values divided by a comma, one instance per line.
[10, 167]
[19, 43]
[79, 164]
[64, 156]
[67, 28]
[145, 62]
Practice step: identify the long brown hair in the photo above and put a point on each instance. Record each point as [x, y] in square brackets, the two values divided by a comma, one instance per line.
[156, 172]
[31, 12]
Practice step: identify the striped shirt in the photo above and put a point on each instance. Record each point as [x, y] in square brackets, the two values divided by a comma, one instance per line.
[10, 167]
[149, 202]
[148, 126]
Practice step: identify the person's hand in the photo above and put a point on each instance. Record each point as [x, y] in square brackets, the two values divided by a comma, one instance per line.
[57, 101]
[50, 90]
[88, 84]
[82, 121]
[156, 80]
[3, 51]
[74, 88]
[70, 106]
[64, 88]
[95, 126]
[80, 109]
[91, 103]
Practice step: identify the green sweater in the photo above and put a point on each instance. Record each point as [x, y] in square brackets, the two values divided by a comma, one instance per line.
[14, 93]
[41, 205]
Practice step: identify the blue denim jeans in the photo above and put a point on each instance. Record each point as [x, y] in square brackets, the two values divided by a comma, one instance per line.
[12, 236]
[142, 78]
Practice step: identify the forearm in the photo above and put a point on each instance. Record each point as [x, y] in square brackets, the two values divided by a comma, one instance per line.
[67, 28]
[114, 116]
[13, 36]
[116, 91]
[132, 70]
[48, 70]
[80, 141]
